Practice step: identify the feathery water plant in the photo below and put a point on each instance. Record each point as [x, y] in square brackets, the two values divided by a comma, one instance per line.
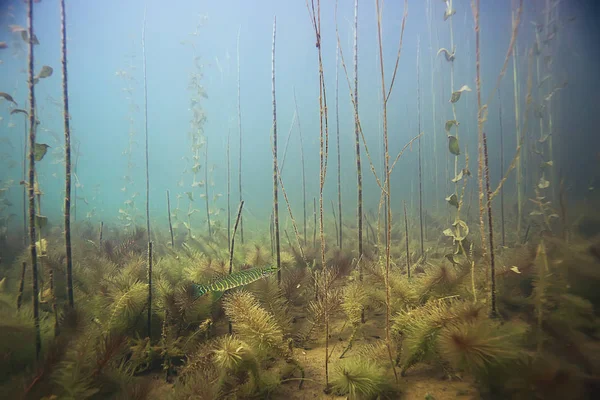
[252, 322]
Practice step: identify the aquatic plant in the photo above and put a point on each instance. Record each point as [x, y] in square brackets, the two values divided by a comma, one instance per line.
[359, 378]
[66, 117]
[239, 113]
[31, 183]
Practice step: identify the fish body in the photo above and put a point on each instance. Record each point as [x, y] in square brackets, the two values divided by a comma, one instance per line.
[236, 279]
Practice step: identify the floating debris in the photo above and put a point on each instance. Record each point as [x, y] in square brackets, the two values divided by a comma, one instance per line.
[3, 45]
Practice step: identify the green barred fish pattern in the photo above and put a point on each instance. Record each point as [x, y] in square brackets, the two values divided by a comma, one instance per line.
[235, 279]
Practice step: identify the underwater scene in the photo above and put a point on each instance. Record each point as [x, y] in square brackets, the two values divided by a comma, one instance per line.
[435, 235]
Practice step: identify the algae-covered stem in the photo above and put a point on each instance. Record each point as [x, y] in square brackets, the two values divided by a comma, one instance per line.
[232, 242]
[303, 169]
[501, 167]
[66, 117]
[239, 109]
[150, 290]
[488, 194]
[337, 134]
[385, 95]
[359, 212]
[146, 124]
[315, 16]
[31, 183]
[169, 217]
[149, 261]
[275, 167]
[232, 238]
[206, 188]
[228, 189]
[21, 285]
[418, 132]
[406, 237]
[25, 135]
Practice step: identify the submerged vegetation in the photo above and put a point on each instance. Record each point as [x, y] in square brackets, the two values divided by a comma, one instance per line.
[415, 290]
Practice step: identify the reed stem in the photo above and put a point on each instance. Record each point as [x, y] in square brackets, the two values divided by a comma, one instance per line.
[490, 227]
[339, 162]
[406, 236]
[31, 182]
[169, 217]
[232, 243]
[228, 189]
[419, 133]
[239, 109]
[206, 189]
[303, 170]
[275, 167]
[21, 285]
[149, 327]
[66, 119]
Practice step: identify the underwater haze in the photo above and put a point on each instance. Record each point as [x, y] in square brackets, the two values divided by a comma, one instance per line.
[296, 199]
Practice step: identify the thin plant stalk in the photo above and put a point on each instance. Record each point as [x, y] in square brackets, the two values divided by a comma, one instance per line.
[232, 243]
[501, 169]
[418, 132]
[275, 167]
[303, 169]
[315, 15]
[359, 212]
[337, 237]
[339, 163]
[31, 184]
[146, 125]
[25, 137]
[100, 233]
[66, 118]
[406, 236]
[519, 171]
[206, 189]
[169, 217]
[491, 229]
[228, 189]
[149, 261]
[149, 326]
[21, 285]
[239, 109]
[387, 189]
[315, 222]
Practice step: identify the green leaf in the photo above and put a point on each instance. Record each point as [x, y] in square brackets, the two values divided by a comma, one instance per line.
[39, 151]
[41, 221]
[190, 196]
[456, 95]
[543, 183]
[45, 72]
[453, 145]
[452, 200]
[450, 124]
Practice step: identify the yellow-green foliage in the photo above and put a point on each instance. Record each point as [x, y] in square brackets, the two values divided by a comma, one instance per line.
[257, 255]
[419, 327]
[354, 299]
[481, 346]
[252, 322]
[359, 378]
